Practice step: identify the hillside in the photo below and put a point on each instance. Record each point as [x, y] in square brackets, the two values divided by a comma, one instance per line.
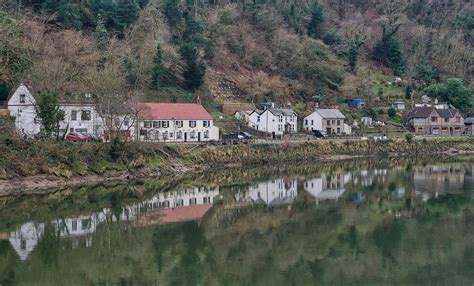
[239, 51]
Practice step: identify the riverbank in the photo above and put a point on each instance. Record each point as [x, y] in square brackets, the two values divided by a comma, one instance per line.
[28, 167]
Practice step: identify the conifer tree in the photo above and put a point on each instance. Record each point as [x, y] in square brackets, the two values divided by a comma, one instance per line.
[194, 72]
[317, 18]
[100, 34]
[158, 69]
[127, 12]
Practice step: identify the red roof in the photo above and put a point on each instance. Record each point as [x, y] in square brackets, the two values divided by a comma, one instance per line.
[174, 215]
[176, 111]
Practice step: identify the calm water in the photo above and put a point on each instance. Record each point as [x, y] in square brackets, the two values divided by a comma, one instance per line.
[352, 223]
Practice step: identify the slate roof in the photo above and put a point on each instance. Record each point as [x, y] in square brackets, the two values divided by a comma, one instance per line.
[421, 112]
[330, 113]
[281, 111]
[425, 111]
[176, 111]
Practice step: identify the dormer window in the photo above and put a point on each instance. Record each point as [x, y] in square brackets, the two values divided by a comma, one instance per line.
[22, 98]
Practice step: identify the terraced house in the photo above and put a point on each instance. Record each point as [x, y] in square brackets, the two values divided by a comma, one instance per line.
[430, 120]
[176, 122]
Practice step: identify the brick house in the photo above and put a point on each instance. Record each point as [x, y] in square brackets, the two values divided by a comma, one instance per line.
[429, 120]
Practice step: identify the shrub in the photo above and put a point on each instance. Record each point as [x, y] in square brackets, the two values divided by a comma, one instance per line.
[392, 112]
[409, 137]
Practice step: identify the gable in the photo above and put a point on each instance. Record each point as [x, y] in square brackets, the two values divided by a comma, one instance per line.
[15, 99]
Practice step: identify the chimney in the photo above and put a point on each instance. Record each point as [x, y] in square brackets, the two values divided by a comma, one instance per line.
[198, 100]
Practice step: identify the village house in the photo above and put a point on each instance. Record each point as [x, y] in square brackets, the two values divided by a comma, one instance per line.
[79, 117]
[176, 122]
[331, 121]
[399, 105]
[430, 120]
[276, 121]
[327, 187]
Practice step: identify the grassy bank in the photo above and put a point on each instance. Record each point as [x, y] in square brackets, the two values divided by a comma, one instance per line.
[25, 158]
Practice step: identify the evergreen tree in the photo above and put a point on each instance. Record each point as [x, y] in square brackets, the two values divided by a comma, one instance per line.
[408, 92]
[194, 29]
[127, 12]
[426, 72]
[158, 69]
[100, 34]
[388, 51]
[67, 12]
[49, 113]
[172, 13]
[194, 72]
[354, 44]
[317, 18]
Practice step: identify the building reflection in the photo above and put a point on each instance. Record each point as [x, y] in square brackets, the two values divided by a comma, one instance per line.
[176, 206]
[272, 193]
[327, 187]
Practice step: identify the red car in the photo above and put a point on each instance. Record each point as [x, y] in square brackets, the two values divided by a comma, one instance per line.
[77, 137]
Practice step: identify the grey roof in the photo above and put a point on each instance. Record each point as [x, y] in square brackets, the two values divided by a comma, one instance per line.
[421, 112]
[469, 120]
[281, 111]
[330, 113]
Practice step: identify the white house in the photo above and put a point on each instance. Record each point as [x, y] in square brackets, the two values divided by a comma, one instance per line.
[331, 121]
[276, 121]
[176, 122]
[79, 117]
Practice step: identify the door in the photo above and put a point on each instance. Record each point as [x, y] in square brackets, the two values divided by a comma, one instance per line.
[185, 136]
[328, 131]
[199, 136]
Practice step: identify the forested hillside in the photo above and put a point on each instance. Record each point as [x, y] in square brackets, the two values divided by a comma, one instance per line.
[241, 51]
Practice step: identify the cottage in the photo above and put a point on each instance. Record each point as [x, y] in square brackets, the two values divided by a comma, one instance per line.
[176, 122]
[274, 120]
[331, 121]
[80, 117]
[327, 187]
[272, 193]
[429, 120]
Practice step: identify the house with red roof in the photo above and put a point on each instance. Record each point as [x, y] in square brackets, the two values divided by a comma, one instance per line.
[175, 122]
[431, 120]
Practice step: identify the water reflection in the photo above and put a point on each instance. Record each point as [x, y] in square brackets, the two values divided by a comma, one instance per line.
[360, 220]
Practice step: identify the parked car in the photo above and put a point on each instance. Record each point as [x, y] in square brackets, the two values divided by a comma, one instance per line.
[95, 138]
[77, 137]
[320, 134]
[246, 135]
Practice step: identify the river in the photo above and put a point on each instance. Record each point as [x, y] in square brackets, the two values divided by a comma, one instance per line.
[378, 222]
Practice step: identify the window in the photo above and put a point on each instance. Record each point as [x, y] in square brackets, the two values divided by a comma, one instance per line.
[179, 203]
[258, 118]
[165, 124]
[179, 135]
[192, 123]
[22, 98]
[179, 123]
[280, 119]
[333, 121]
[329, 122]
[206, 133]
[206, 123]
[192, 134]
[458, 119]
[74, 225]
[206, 200]
[312, 122]
[446, 120]
[126, 122]
[338, 130]
[434, 119]
[82, 130]
[147, 124]
[339, 122]
[165, 204]
[292, 118]
[156, 124]
[192, 201]
[85, 223]
[86, 115]
[306, 121]
[23, 244]
[73, 115]
[117, 122]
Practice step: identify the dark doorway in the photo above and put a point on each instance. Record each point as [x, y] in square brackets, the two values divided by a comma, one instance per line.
[185, 136]
[328, 131]
[199, 136]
